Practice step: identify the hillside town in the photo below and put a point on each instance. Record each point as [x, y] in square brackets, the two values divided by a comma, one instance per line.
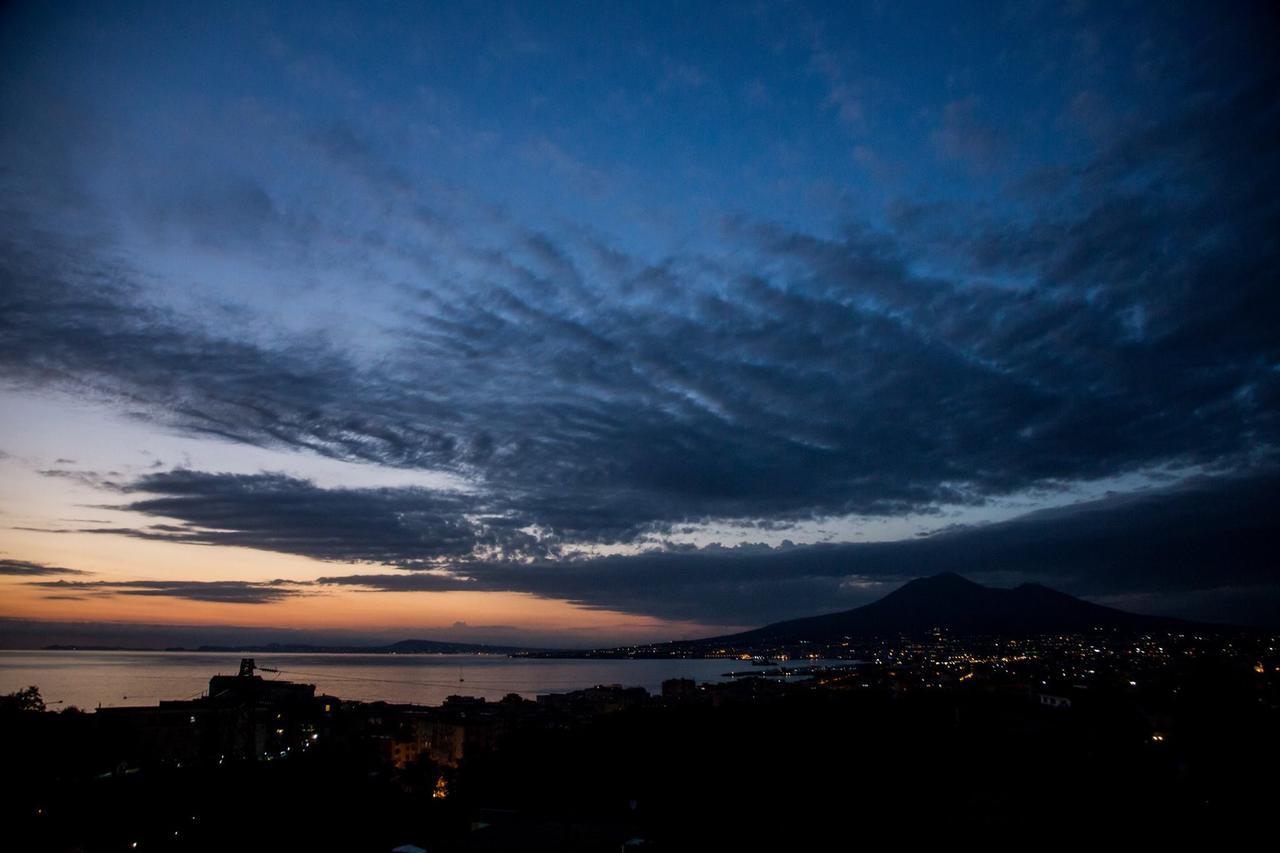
[460, 774]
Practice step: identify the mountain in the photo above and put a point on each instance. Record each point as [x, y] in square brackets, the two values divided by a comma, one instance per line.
[947, 601]
[959, 606]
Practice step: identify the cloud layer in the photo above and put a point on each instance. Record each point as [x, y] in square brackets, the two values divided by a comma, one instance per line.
[601, 397]
[27, 568]
[1204, 547]
[221, 592]
[1037, 313]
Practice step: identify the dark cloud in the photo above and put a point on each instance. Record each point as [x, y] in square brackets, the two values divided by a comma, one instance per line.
[278, 513]
[220, 592]
[1099, 317]
[27, 568]
[1191, 541]
[831, 378]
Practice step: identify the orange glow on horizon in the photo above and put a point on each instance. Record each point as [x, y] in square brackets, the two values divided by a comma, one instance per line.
[113, 558]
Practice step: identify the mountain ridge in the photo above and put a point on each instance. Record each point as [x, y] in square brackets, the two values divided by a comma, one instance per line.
[956, 604]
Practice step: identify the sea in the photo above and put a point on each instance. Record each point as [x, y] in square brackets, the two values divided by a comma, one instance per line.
[93, 679]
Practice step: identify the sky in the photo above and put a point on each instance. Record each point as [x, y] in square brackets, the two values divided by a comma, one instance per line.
[582, 324]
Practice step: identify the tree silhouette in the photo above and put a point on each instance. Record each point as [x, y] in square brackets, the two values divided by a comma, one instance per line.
[27, 699]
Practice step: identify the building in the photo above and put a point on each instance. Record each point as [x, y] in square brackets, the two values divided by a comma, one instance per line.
[243, 717]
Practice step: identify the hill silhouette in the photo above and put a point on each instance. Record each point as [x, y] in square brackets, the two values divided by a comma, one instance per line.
[958, 605]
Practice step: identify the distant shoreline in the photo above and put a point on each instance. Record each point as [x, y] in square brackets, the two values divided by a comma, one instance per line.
[408, 647]
[525, 654]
